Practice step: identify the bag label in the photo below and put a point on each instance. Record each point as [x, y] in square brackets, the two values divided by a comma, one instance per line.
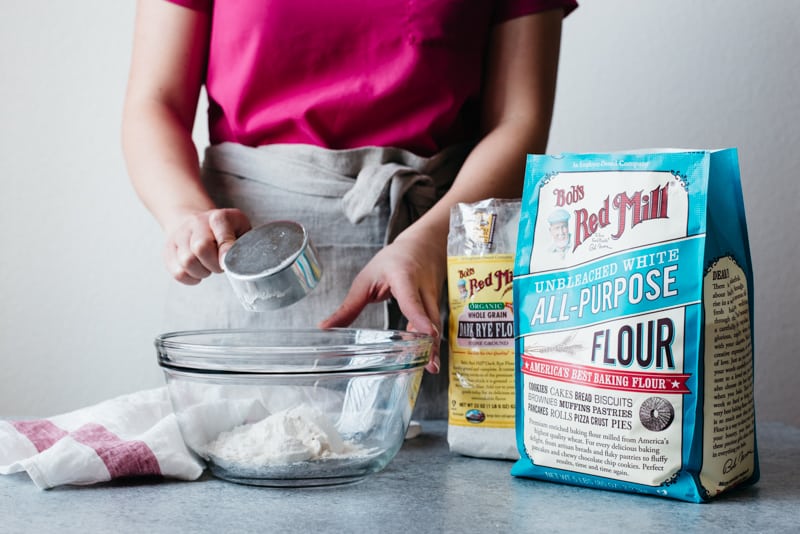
[482, 340]
[729, 436]
[603, 374]
[633, 320]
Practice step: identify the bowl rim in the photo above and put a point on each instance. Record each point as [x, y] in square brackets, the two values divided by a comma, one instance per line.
[390, 350]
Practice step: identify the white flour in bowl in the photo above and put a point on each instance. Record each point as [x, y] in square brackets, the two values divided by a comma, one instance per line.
[297, 434]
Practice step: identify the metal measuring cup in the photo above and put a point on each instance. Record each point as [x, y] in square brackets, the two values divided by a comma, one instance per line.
[272, 266]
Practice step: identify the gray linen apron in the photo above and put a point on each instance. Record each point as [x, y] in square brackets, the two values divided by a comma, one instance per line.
[352, 202]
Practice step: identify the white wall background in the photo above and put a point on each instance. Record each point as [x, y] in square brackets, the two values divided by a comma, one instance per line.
[81, 280]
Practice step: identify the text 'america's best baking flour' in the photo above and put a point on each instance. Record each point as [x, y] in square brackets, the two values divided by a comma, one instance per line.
[480, 269]
[633, 310]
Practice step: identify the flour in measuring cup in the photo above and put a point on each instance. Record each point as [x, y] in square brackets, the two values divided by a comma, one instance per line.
[298, 434]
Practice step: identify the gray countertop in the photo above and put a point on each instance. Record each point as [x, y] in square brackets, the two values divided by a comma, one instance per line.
[424, 489]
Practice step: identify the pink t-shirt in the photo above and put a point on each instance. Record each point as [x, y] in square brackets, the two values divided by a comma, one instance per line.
[351, 73]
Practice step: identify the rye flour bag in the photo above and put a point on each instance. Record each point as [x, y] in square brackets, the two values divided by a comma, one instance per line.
[633, 311]
[480, 268]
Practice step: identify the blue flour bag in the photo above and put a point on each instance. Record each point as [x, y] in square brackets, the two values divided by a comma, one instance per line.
[633, 297]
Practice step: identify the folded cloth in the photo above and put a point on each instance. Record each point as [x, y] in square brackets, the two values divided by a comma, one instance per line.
[131, 435]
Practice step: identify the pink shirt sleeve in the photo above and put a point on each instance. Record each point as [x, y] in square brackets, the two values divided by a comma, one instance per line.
[511, 9]
[197, 5]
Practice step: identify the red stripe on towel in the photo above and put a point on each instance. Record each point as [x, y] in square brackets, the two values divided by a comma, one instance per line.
[41, 433]
[122, 458]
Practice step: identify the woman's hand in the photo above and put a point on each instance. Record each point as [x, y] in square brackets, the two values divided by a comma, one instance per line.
[198, 241]
[412, 271]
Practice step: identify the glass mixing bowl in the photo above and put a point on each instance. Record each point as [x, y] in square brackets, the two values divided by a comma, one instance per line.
[304, 407]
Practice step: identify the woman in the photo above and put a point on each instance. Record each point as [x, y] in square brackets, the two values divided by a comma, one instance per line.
[365, 121]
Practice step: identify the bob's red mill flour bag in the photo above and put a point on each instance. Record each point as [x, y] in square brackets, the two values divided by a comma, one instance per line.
[480, 270]
[633, 310]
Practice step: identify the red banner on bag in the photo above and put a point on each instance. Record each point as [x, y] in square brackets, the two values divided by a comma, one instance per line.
[668, 383]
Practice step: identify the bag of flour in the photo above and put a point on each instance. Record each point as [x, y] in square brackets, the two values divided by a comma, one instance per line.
[480, 265]
[634, 310]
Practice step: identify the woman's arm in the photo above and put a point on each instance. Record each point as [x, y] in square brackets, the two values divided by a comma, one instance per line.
[166, 75]
[517, 109]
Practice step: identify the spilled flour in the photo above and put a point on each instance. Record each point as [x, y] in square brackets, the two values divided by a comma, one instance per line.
[297, 434]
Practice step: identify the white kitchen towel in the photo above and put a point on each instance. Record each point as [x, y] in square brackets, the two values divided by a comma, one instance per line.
[131, 435]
